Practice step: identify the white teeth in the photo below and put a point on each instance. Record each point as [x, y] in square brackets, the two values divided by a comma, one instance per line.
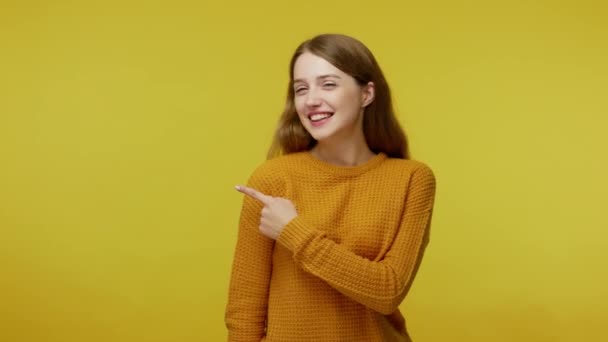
[317, 117]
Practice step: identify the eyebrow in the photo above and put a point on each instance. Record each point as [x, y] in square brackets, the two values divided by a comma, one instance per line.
[318, 77]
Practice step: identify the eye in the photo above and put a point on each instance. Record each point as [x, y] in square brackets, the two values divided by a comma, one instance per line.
[299, 90]
[329, 85]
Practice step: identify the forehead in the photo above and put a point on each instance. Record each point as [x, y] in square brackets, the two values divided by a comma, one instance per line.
[309, 66]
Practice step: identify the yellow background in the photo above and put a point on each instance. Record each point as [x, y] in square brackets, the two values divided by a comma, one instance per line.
[124, 126]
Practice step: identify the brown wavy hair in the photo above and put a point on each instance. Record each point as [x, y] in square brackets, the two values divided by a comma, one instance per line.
[382, 130]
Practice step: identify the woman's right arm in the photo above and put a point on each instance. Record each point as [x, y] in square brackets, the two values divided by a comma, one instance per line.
[246, 310]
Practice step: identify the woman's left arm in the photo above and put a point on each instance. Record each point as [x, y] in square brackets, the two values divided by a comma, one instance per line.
[379, 285]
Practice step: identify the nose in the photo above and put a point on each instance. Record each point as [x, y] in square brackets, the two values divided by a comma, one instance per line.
[313, 98]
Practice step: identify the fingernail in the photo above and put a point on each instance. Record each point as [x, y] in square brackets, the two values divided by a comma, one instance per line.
[238, 188]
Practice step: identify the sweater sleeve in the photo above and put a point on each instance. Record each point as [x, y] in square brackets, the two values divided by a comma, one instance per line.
[245, 315]
[380, 285]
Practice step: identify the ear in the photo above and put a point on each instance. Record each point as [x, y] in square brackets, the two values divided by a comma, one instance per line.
[368, 93]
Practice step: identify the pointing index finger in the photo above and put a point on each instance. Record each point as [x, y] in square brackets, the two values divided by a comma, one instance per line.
[253, 193]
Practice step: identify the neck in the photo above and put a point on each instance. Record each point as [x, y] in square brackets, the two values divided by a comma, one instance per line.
[346, 153]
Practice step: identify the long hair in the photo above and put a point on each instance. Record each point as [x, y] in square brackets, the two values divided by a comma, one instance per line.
[380, 126]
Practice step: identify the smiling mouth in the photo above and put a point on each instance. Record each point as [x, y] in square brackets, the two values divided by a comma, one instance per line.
[317, 117]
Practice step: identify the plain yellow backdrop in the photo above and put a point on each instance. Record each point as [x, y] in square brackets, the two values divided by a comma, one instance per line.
[125, 125]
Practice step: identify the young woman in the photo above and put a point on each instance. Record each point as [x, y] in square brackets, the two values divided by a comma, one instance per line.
[334, 224]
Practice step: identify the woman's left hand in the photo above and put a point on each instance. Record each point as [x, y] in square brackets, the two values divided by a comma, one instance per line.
[276, 214]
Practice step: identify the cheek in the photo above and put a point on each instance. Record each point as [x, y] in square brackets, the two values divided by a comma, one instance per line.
[298, 104]
[352, 101]
[346, 102]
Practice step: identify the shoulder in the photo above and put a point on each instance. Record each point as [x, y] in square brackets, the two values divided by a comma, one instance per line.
[411, 167]
[415, 175]
[270, 176]
[275, 167]
[419, 184]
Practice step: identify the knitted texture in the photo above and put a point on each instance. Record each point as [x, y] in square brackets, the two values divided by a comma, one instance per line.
[340, 269]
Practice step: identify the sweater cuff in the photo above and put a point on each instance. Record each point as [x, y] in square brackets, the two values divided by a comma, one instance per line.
[296, 234]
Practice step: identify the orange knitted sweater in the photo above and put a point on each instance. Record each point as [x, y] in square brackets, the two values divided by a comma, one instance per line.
[340, 269]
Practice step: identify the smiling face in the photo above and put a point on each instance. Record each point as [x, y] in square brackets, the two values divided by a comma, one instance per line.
[329, 102]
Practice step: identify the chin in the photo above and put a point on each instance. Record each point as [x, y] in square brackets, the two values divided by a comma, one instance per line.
[321, 137]
[326, 132]
[319, 134]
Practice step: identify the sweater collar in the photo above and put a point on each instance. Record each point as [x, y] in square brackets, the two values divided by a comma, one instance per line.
[346, 170]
